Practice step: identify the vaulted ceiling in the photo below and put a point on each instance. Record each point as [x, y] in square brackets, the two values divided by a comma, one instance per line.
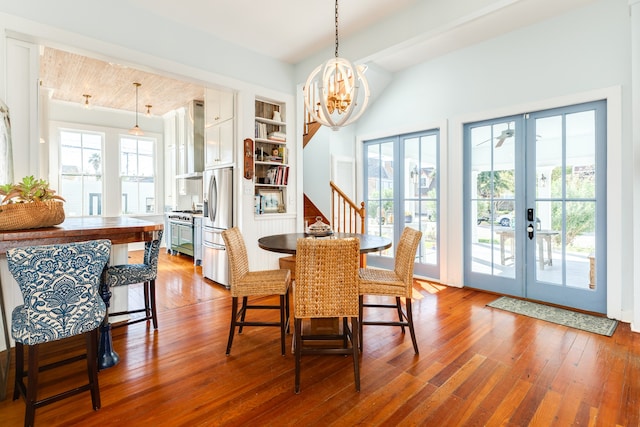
[292, 31]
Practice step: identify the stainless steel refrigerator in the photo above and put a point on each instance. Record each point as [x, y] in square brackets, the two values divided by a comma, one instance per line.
[218, 216]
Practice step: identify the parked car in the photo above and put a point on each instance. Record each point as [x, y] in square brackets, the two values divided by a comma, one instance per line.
[510, 221]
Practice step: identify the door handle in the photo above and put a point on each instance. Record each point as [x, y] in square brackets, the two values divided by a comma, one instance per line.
[530, 231]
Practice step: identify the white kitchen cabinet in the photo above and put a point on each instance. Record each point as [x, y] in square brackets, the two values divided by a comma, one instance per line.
[218, 147]
[219, 106]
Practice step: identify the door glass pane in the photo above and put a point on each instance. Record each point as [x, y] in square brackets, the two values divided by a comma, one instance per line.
[581, 155]
[493, 199]
[420, 193]
[549, 253]
[581, 244]
[379, 202]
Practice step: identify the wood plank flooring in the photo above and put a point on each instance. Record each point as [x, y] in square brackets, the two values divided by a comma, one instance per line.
[477, 367]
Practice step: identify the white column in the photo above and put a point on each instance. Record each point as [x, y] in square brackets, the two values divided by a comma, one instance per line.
[634, 13]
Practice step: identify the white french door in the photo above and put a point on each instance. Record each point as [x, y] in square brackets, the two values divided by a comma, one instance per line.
[535, 206]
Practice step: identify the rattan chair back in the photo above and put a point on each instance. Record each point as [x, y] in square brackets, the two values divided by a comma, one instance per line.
[238, 258]
[405, 257]
[326, 278]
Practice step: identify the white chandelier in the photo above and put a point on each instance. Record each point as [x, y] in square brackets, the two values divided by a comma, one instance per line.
[336, 92]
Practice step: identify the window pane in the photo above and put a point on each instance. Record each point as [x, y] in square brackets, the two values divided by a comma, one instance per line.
[81, 172]
[137, 171]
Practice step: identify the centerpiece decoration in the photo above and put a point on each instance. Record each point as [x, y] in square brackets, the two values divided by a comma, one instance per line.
[29, 204]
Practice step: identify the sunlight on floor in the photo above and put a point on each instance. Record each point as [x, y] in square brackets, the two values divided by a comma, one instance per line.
[423, 285]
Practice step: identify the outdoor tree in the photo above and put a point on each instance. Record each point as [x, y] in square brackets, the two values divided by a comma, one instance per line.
[95, 160]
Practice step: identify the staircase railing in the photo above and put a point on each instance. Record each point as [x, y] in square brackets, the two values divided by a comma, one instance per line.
[346, 216]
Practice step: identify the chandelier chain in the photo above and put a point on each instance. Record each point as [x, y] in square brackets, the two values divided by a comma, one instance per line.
[336, 53]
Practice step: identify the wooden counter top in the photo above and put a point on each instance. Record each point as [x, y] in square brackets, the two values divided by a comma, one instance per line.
[119, 230]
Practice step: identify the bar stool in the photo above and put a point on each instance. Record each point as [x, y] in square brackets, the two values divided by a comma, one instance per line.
[145, 273]
[60, 285]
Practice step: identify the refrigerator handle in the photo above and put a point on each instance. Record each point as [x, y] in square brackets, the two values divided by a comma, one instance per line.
[213, 198]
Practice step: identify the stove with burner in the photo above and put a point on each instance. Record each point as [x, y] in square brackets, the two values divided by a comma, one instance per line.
[181, 231]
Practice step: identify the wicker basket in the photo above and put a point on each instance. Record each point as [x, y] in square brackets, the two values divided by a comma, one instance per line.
[21, 216]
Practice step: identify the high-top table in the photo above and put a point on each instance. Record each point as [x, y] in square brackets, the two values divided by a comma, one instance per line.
[120, 230]
[286, 243]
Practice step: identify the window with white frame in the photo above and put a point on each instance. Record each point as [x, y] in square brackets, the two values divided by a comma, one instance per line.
[81, 155]
[137, 175]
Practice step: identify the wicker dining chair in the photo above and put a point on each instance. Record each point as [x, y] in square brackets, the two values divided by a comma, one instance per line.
[327, 287]
[396, 283]
[60, 286]
[245, 283]
[131, 274]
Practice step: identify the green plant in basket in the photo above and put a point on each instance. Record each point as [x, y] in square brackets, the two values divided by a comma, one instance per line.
[28, 190]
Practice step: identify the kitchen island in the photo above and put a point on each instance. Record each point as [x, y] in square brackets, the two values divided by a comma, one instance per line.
[120, 230]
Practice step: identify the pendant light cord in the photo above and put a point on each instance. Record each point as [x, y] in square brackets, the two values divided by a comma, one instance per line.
[336, 53]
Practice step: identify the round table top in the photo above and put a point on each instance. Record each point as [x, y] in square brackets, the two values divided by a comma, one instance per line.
[286, 243]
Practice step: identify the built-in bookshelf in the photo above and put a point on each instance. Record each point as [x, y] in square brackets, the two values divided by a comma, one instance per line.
[271, 158]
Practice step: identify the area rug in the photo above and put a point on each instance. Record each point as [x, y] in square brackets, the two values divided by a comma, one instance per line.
[572, 319]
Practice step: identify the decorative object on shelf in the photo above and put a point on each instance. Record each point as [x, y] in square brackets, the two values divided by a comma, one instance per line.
[333, 94]
[248, 158]
[319, 228]
[136, 129]
[270, 200]
[29, 204]
[86, 104]
[276, 116]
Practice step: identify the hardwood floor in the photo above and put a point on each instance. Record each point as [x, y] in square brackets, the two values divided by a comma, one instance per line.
[477, 366]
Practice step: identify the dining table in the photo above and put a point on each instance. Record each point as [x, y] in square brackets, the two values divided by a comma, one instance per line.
[286, 243]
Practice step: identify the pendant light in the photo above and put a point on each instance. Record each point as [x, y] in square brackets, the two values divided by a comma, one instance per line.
[136, 129]
[336, 92]
[86, 104]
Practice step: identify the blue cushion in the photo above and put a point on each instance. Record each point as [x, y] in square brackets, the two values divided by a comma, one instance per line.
[129, 274]
[60, 287]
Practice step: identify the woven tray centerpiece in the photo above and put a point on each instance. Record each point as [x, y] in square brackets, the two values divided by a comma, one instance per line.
[29, 204]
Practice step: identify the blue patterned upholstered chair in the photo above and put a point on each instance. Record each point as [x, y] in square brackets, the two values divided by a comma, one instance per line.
[145, 273]
[60, 285]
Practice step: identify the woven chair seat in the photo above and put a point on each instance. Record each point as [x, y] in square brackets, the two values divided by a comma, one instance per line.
[258, 283]
[381, 282]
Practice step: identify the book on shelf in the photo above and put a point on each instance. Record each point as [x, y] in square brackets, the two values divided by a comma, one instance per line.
[261, 130]
[278, 175]
[283, 152]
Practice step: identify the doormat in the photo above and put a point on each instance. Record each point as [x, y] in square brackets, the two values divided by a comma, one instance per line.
[572, 319]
